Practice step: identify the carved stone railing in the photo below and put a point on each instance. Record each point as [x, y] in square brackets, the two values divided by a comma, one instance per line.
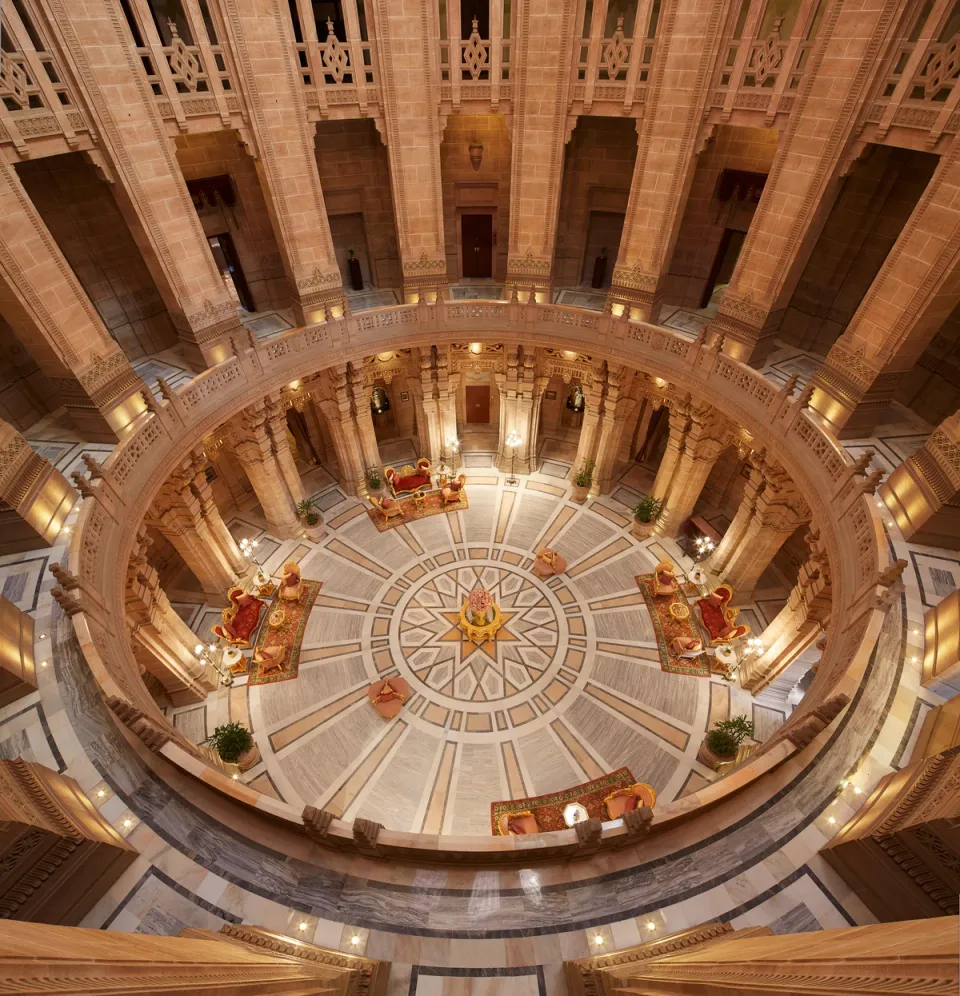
[850, 532]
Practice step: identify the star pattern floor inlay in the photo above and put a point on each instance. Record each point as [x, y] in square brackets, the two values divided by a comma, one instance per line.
[440, 657]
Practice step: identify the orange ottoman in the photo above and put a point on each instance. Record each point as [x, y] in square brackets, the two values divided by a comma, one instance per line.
[388, 695]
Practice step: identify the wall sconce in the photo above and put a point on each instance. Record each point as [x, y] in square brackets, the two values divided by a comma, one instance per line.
[476, 154]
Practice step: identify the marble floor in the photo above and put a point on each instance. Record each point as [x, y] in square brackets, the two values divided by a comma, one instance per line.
[571, 689]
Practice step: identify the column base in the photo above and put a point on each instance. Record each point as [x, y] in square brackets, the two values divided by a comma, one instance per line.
[206, 338]
[749, 332]
[424, 278]
[635, 295]
[311, 308]
[849, 399]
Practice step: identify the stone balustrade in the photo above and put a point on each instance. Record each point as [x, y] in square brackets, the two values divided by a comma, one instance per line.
[850, 533]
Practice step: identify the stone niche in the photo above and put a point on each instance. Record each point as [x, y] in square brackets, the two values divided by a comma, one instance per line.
[58, 855]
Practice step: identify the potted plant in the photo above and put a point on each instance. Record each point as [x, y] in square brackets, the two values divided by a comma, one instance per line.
[311, 518]
[722, 742]
[645, 516]
[582, 481]
[374, 481]
[353, 265]
[234, 745]
[600, 268]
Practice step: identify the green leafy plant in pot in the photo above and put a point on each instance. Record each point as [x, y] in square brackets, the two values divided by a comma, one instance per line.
[582, 481]
[374, 480]
[307, 511]
[728, 734]
[231, 741]
[645, 516]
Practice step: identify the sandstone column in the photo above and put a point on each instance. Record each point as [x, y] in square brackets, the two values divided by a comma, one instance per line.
[592, 396]
[35, 498]
[194, 467]
[252, 441]
[814, 148]
[431, 434]
[690, 36]
[516, 412]
[770, 510]
[540, 68]
[337, 410]
[678, 424]
[18, 668]
[276, 426]
[796, 626]
[923, 492]
[911, 297]
[163, 643]
[138, 156]
[703, 442]
[406, 41]
[618, 411]
[363, 418]
[177, 513]
[42, 300]
[281, 140]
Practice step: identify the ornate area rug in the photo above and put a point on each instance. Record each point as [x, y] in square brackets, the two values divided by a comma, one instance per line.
[289, 635]
[548, 809]
[432, 504]
[666, 628]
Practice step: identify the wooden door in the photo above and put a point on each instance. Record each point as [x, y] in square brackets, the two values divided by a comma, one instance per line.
[476, 244]
[478, 403]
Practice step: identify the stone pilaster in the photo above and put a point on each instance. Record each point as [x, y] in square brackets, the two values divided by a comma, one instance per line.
[35, 497]
[923, 492]
[281, 139]
[796, 626]
[408, 54]
[163, 644]
[137, 155]
[540, 70]
[592, 386]
[813, 150]
[903, 310]
[60, 855]
[692, 450]
[337, 410]
[770, 510]
[48, 311]
[194, 468]
[277, 430]
[690, 38]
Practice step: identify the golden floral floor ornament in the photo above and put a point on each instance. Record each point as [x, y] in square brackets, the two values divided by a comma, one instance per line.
[667, 626]
[289, 635]
[432, 503]
[548, 809]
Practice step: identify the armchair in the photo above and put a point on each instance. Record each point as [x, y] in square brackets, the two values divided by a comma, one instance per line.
[290, 583]
[388, 508]
[409, 479]
[515, 824]
[719, 618]
[665, 579]
[451, 491]
[269, 659]
[626, 799]
[239, 619]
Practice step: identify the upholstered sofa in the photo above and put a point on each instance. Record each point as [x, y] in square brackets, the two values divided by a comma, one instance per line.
[409, 479]
[719, 618]
[239, 619]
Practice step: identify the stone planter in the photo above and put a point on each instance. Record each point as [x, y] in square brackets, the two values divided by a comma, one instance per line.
[710, 760]
[248, 758]
[642, 530]
[580, 493]
[316, 531]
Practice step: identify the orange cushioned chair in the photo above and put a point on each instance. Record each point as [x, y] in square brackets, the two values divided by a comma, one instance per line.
[515, 824]
[626, 799]
[409, 479]
[269, 659]
[451, 491]
[239, 618]
[665, 579]
[388, 508]
[719, 618]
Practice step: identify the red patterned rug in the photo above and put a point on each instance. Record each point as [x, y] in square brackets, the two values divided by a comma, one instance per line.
[667, 628]
[432, 504]
[289, 635]
[548, 809]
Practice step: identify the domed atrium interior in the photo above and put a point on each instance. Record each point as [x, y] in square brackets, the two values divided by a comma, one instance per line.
[480, 497]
